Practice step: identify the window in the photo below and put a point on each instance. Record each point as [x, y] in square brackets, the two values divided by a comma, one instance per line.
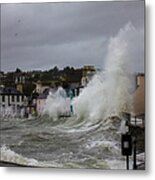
[3, 98]
[138, 81]
[13, 98]
[17, 98]
[22, 98]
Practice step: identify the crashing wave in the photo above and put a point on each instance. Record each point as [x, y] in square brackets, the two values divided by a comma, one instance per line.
[7, 155]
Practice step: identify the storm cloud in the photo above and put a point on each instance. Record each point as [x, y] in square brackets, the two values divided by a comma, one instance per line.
[44, 35]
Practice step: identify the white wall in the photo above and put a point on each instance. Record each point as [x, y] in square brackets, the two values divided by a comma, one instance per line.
[12, 103]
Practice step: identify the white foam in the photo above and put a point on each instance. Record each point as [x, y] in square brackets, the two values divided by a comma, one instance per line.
[8, 155]
[108, 92]
[57, 104]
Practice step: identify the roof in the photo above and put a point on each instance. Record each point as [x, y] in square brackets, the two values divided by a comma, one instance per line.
[9, 91]
[140, 74]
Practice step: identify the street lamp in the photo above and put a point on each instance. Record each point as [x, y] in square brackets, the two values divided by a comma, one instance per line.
[126, 140]
[126, 147]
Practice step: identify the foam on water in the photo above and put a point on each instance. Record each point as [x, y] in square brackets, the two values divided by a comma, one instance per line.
[8, 155]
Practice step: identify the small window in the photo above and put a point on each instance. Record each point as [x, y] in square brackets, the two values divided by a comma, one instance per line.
[138, 80]
[17, 98]
[3, 98]
[13, 98]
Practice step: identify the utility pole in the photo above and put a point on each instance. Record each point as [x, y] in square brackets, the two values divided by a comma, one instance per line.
[126, 141]
[134, 146]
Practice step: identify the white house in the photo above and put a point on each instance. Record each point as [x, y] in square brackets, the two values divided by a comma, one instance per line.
[11, 101]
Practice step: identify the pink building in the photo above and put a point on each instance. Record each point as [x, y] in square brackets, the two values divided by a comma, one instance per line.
[41, 100]
[139, 96]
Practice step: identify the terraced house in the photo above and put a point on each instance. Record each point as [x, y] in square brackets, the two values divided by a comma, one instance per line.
[11, 101]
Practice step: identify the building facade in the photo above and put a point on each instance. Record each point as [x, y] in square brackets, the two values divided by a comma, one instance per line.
[139, 97]
[41, 100]
[40, 87]
[11, 101]
[87, 74]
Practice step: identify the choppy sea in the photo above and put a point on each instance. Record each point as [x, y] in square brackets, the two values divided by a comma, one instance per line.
[64, 143]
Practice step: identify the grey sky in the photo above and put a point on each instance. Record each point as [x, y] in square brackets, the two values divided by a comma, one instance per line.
[41, 36]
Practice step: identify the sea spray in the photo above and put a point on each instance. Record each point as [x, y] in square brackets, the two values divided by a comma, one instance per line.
[57, 104]
[108, 92]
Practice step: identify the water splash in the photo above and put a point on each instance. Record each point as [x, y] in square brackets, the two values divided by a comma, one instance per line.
[57, 104]
[108, 92]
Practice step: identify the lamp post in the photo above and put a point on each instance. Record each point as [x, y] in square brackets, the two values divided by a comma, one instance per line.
[126, 147]
[126, 140]
[134, 146]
